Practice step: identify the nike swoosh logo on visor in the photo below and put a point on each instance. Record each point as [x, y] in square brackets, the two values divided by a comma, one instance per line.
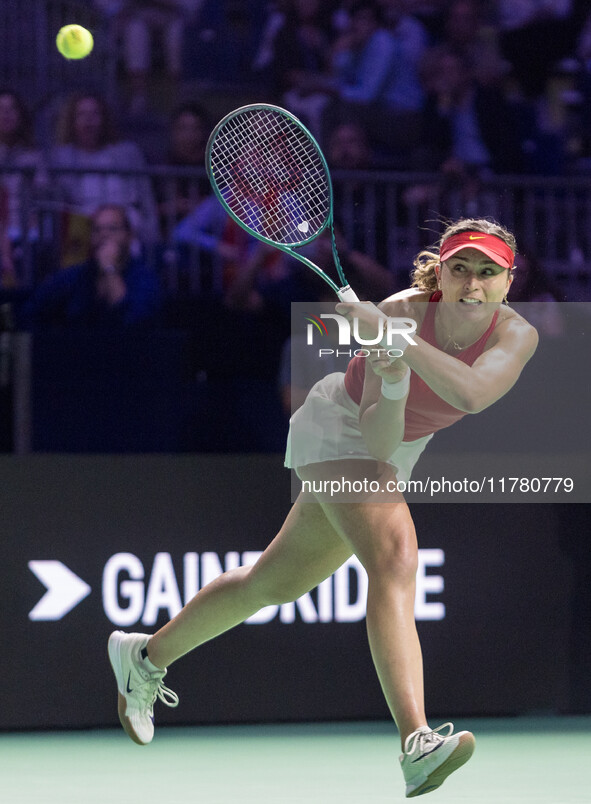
[128, 680]
[473, 237]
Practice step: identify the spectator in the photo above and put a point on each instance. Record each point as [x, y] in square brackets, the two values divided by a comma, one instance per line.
[140, 23]
[87, 141]
[348, 147]
[534, 35]
[214, 241]
[222, 41]
[16, 151]
[264, 51]
[112, 290]
[470, 131]
[356, 211]
[406, 92]
[239, 266]
[362, 56]
[301, 57]
[470, 126]
[264, 280]
[371, 70]
[468, 35]
[189, 130]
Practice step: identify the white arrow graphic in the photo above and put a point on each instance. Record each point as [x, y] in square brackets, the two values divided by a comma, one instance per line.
[64, 590]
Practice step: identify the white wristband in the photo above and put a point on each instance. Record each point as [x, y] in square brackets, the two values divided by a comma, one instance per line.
[396, 390]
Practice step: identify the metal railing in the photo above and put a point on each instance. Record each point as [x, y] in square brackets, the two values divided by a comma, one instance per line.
[391, 216]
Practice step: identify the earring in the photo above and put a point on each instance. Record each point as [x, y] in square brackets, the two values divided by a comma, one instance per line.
[505, 300]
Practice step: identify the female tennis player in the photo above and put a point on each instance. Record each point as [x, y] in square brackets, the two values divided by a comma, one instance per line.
[375, 421]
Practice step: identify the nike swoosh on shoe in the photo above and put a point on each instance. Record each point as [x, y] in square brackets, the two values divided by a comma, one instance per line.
[426, 754]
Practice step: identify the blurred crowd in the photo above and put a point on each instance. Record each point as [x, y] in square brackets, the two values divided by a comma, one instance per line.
[110, 206]
[459, 89]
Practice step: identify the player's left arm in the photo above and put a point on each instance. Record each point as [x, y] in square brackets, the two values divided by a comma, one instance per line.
[476, 387]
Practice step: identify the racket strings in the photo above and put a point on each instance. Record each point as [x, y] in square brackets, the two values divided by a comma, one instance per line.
[271, 175]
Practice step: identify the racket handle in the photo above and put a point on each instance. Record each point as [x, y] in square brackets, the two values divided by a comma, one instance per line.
[346, 294]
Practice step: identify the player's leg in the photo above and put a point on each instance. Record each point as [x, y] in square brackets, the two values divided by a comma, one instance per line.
[383, 537]
[305, 552]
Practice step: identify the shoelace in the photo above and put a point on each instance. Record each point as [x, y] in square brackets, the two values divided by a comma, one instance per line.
[153, 688]
[166, 695]
[424, 739]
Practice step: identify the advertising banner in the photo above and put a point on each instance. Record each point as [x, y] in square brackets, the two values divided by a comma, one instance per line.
[97, 543]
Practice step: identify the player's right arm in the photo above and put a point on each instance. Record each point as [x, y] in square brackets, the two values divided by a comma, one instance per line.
[381, 420]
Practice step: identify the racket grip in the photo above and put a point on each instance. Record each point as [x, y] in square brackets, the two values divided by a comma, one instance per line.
[346, 294]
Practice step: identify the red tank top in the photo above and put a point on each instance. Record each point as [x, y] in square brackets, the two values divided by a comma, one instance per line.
[425, 411]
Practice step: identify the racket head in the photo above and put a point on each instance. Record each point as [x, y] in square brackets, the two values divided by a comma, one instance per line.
[269, 174]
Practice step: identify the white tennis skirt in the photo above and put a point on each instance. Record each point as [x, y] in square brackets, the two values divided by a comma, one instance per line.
[326, 428]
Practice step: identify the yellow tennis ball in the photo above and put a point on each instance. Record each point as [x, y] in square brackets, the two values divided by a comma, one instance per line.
[74, 42]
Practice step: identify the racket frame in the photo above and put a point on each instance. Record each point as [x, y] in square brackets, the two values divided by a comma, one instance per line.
[345, 293]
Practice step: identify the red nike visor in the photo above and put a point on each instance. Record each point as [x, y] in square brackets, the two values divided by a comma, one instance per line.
[491, 245]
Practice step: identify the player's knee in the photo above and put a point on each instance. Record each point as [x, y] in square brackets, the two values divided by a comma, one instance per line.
[392, 557]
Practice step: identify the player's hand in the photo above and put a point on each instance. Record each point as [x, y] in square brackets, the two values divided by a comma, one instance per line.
[383, 366]
[370, 318]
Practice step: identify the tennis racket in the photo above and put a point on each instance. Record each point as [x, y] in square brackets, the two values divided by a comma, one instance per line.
[271, 177]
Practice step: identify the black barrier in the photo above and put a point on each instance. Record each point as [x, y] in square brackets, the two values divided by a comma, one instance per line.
[151, 392]
[93, 543]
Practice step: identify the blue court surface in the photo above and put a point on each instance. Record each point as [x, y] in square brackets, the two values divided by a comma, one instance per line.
[536, 759]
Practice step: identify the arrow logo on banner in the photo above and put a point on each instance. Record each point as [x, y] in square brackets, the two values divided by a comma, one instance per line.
[64, 590]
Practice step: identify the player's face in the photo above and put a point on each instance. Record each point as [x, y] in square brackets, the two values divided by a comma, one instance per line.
[472, 279]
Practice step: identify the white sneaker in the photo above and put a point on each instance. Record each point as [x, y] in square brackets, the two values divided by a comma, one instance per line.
[137, 685]
[429, 757]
